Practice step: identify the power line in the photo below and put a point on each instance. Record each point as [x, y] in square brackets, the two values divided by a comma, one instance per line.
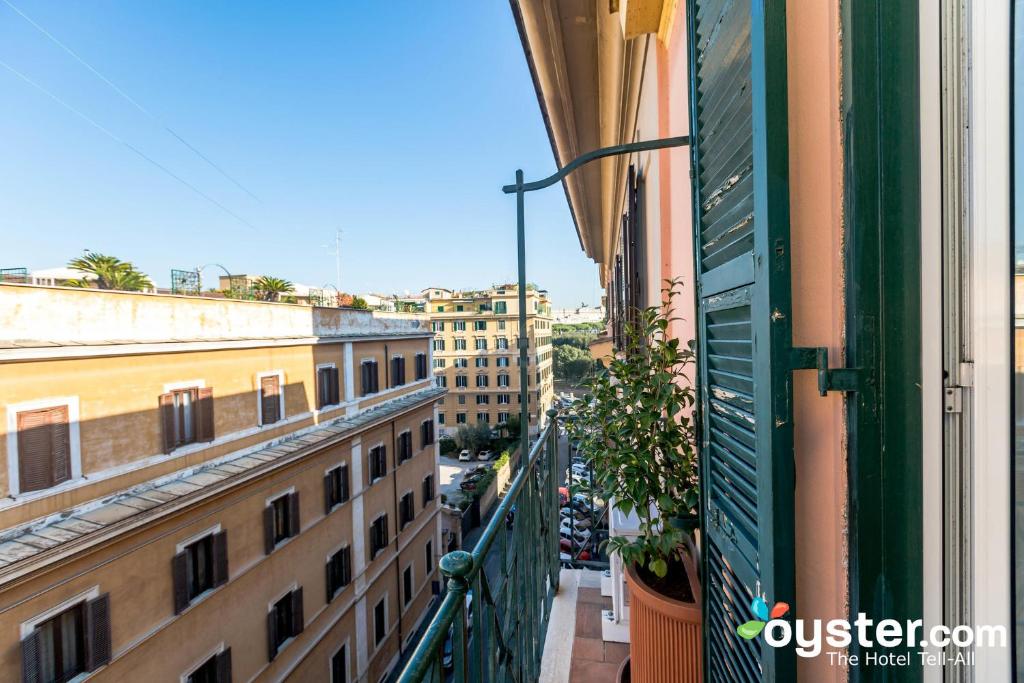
[130, 99]
[117, 139]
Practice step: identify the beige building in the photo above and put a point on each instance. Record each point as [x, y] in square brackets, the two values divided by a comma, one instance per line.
[211, 490]
[476, 355]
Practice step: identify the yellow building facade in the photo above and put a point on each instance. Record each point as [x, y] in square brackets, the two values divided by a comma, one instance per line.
[211, 490]
[476, 355]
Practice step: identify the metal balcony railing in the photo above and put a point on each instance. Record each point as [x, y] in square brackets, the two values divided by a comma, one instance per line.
[493, 619]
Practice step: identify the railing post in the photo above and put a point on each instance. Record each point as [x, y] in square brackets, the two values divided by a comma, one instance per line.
[524, 337]
[553, 503]
[456, 566]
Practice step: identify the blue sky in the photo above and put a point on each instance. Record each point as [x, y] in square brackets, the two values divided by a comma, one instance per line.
[396, 122]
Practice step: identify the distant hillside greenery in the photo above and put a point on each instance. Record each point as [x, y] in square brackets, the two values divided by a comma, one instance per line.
[572, 360]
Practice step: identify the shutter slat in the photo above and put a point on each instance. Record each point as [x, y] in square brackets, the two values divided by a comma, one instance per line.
[31, 658]
[298, 616]
[294, 525]
[97, 632]
[224, 666]
[179, 578]
[270, 399]
[204, 415]
[268, 529]
[220, 558]
[61, 444]
[35, 450]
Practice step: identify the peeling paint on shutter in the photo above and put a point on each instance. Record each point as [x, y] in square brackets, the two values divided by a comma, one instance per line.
[741, 216]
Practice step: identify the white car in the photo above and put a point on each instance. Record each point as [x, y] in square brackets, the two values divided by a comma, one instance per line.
[577, 534]
[483, 455]
[465, 456]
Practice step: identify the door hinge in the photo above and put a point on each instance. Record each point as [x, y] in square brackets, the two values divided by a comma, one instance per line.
[829, 379]
[953, 399]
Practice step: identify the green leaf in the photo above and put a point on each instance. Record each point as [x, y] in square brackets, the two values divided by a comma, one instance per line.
[659, 567]
[750, 630]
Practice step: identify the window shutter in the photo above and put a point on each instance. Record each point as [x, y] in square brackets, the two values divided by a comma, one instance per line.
[204, 415]
[328, 503]
[298, 618]
[335, 385]
[294, 526]
[31, 658]
[179, 576]
[346, 565]
[97, 632]
[321, 387]
[330, 582]
[220, 558]
[374, 377]
[35, 451]
[268, 529]
[270, 399]
[224, 666]
[745, 355]
[272, 633]
[167, 422]
[345, 483]
[60, 444]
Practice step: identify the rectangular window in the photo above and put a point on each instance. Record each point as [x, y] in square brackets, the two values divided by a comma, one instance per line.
[336, 487]
[428, 488]
[44, 448]
[460, 344]
[328, 392]
[370, 377]
[426, 433]
[501, 324]
[280, 520]
[481, 362]
[461, 362]
[503, 399]
[481, 344]
[501, 307]
[201, 566]
[440, 309]
[378, 535]
[428, 555]
[439, 363]
[421, 366]
[481, 381]
[437, 326]
[284, 621]
[459, 308]
[216, 669]
[378, 462]
[407, 585]
[73, 642]
[502, 343]
[404, 446]
[406, 510]
[441, 381]
[479, 325]
[440, 418]
[380, 621]
[459, 325]
[439, 344]
[397, 371]
[461, 381]
[187, 417]
[502, 418]
[339, 666]
[270, 399]
[482, 399]
[502, 380]
[460, 418]
[339, 572]
[462, 400]
[502, 362]
[483, 417]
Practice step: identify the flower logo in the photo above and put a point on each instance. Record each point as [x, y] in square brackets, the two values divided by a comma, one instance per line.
[759, 607]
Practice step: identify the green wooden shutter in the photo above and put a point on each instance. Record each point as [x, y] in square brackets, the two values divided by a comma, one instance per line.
[741, 200]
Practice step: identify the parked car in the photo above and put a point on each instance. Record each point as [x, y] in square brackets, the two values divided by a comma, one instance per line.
[565, 531]
[484, 455]
[465, 455]
[578, 514]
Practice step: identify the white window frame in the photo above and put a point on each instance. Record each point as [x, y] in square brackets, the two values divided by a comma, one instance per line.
[387, 621]
[374, 480]
[404, 494]
[213, 652]
[348, 662]
[316, 387]
[74, 447]
[407, 605]
[30, 625]
[412, 449]
[280, 394]
[180, 547]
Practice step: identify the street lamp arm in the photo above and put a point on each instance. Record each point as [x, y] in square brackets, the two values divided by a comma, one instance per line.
[615, 150]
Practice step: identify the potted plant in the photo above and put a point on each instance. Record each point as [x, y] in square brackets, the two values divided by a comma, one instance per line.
[636, 428]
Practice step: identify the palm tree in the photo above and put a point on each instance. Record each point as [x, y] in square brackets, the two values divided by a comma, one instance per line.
[271, 288]
[110, 272]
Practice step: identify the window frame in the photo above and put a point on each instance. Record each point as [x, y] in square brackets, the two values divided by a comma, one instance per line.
[324, 366]
[280, 396]
[74, 443]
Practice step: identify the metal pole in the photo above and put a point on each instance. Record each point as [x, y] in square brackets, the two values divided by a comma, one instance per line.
[524, 339]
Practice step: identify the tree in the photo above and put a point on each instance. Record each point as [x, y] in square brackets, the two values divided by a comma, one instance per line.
[512, 426]
[571, 363]
[360, 303]
[271, 288]
[110, 272]
[473, 438]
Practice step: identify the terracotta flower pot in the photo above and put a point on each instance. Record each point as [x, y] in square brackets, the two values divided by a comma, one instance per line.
[664, 633]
